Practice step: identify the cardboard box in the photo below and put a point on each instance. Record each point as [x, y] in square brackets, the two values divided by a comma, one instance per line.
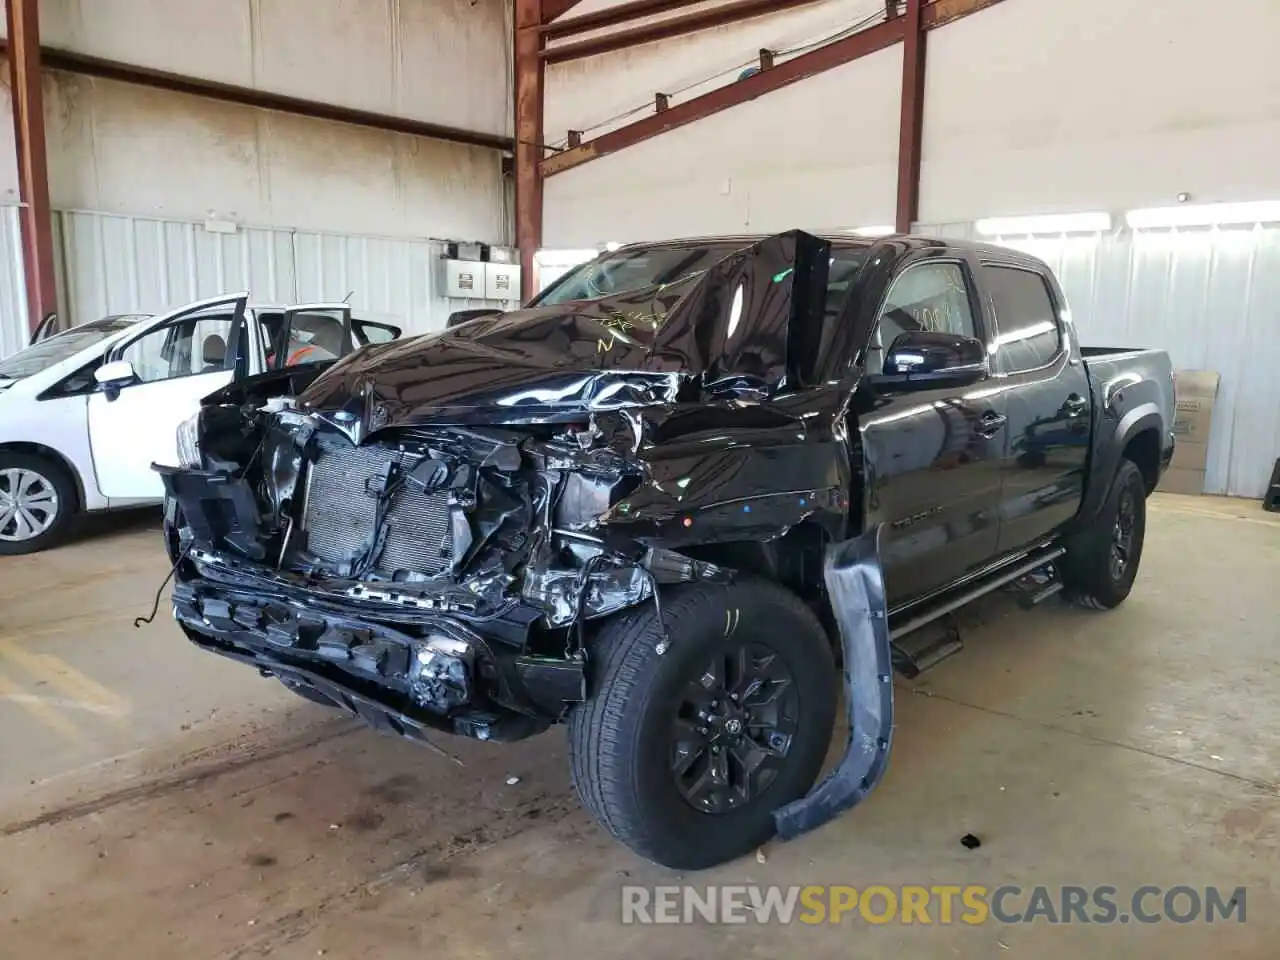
[1195, 392]
[1182, 480]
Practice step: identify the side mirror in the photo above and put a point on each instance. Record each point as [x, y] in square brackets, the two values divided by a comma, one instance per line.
[113, 376]
[462, 316]
[922, 360]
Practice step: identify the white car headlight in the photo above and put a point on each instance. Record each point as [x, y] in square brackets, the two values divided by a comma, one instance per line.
[189, 443]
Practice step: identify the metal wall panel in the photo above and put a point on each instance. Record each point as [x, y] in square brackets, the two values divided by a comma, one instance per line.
[391, 280]
[13, 286]
[118, 264]
[1211, 297]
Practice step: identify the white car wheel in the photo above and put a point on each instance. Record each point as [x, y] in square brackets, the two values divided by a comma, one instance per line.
[36, 499]
[28, 504]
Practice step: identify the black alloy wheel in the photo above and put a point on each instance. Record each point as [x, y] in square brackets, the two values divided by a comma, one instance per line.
[733, 728]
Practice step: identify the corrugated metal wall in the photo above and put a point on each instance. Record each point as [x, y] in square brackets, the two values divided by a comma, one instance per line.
[392, 279]
[13, 287]
[117, 264]
[1211, 297]
[132, 265]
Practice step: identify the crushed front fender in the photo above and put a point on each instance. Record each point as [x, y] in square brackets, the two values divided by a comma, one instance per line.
[855, 583]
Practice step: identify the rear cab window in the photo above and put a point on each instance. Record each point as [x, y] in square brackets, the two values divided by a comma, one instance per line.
[1028, 333]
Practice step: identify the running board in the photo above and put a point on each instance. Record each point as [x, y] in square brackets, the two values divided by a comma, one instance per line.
[911, 662]
[997, 580]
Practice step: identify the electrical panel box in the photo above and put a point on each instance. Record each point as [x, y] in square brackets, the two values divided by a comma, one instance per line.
[464, 279]
[502, 281]
[478, 280]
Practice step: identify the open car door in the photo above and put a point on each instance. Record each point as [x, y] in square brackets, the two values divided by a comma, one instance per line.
[312, 333]
[152, 381]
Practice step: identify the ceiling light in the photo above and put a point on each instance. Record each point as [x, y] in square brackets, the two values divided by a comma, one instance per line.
[1049, 223]
[1204, 214]
[879, 230]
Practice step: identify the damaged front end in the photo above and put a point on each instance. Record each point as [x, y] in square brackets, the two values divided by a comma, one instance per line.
[436, 577]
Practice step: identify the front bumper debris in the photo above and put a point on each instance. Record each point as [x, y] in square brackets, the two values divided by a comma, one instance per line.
[405, 684]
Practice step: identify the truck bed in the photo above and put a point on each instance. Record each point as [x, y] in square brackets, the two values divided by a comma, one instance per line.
[1132, 393]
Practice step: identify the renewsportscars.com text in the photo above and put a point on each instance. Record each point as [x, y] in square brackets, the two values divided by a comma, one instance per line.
[936, 904]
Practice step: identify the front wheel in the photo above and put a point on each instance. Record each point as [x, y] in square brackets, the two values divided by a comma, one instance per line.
[684, 754]
[37, 501]
[1102, 561]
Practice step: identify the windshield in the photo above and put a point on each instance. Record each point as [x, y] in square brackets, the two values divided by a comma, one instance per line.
[46, 353]
[634, 268]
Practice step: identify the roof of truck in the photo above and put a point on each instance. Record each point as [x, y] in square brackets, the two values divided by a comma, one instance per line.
[908, 240]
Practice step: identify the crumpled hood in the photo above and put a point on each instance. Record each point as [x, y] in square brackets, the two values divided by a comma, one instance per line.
[741, 321]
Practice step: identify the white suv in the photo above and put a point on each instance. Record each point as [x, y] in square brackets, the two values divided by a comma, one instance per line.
[84, 414]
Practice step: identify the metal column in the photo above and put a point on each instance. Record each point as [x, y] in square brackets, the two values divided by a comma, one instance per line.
[529, 73]
[33, 170]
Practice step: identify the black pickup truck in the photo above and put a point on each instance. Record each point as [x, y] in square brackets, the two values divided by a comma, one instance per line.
[679, 503]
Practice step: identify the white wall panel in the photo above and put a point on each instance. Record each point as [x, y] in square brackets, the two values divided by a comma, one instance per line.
[121, 264]
[818, 154]
[1039, 105]
[441, 61]
[128, 264]
[139, 152]
[391, 280]
[1211, 298]
[13, 292]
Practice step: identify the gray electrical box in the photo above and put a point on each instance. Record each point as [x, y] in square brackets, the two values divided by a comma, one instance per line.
[502, 281]
[478, 280]
[464, 279]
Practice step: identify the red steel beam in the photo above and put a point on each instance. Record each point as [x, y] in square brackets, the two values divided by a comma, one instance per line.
[911, 123]
[612, 16]
[817, 61]
[529, 77]
[69, 61]
[35, 217]
[835, 54]
[727, 13]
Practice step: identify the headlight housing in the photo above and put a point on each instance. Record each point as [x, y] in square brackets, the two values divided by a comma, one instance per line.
[189, 443]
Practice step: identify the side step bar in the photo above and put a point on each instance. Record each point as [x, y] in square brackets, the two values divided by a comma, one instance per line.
[911, 663]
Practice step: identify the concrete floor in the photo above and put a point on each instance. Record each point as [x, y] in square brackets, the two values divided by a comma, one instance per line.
[155, 801]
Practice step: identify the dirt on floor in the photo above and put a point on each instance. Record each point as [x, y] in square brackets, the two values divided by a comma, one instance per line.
[155, 801]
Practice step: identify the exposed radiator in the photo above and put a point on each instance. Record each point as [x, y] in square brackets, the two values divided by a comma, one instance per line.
[339, 518]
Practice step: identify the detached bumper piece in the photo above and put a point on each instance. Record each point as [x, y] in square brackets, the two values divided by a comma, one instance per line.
[218, 506]
[395, 682]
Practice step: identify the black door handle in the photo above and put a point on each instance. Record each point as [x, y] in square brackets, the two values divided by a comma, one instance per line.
[991, 423]
[1075, 405]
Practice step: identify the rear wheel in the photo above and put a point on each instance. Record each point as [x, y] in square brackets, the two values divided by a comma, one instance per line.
[1102, 561]
[684, 755]
[37, 501]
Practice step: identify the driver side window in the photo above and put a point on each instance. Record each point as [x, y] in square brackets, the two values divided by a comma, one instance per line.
[932, 297]
[187, 347]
